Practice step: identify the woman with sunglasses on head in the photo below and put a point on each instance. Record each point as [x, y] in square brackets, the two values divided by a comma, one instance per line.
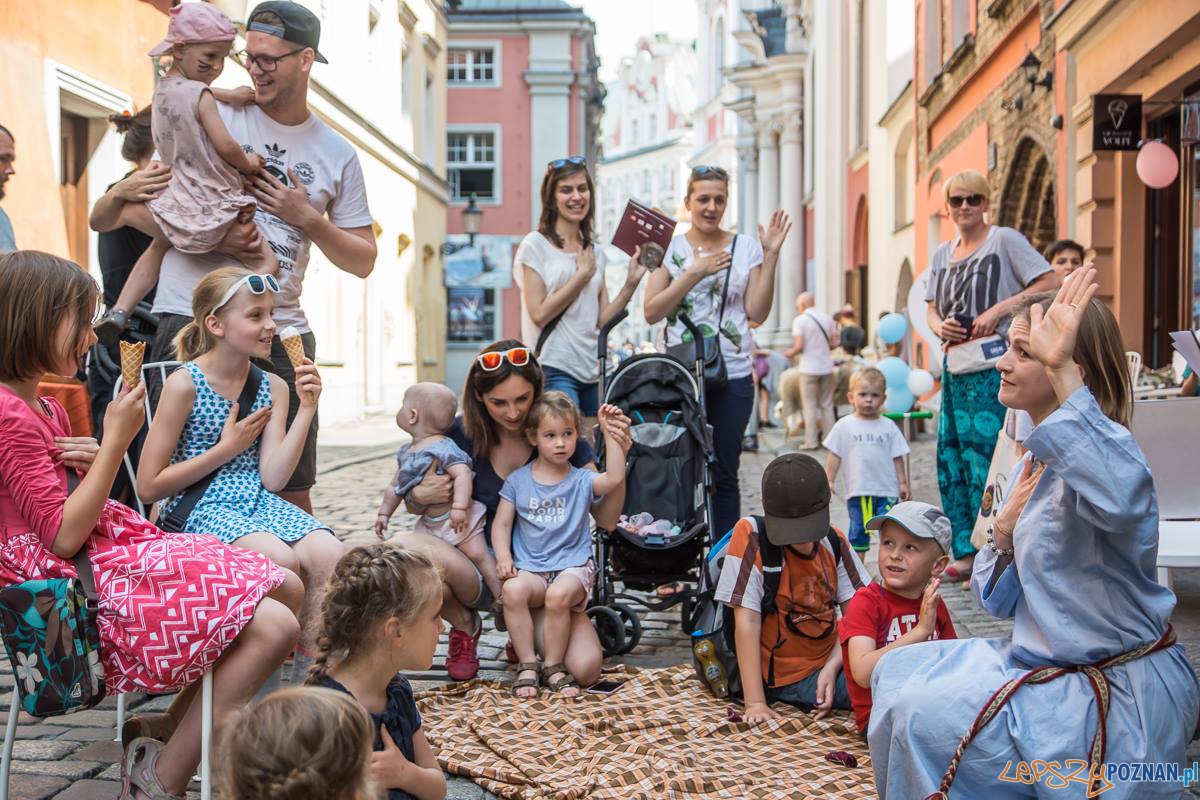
[564, 298]
[199, 430]
[723, 281]
[976, 281]
[501, 386]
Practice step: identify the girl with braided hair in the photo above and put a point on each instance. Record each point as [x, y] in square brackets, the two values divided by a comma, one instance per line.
[299, 742]
[382, 614]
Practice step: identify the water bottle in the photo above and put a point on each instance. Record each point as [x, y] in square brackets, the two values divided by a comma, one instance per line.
[714, 671]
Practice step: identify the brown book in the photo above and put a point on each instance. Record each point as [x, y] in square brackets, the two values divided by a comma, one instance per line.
[645, 227]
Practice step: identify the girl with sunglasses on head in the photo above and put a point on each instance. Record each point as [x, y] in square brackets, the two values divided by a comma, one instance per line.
[197, 431]
[564, 298]
[501, 386]
[976, 281]
[723, 281]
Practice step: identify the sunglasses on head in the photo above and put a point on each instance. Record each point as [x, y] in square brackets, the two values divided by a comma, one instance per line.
[492, 359]
[559, 163]
[972, 200]
[701, 171]
[258, 284]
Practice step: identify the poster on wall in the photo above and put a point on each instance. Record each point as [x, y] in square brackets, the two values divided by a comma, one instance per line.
[486, 264]
[470, 315]
[1116, 121]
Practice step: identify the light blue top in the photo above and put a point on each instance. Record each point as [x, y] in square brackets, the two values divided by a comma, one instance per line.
[552, 531]
[413, 464]
[8, 242]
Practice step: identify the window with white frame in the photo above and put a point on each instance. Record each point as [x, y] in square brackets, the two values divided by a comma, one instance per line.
[466, 65]
[472, 164]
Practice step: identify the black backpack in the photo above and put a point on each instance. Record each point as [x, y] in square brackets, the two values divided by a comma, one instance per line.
[714, 653]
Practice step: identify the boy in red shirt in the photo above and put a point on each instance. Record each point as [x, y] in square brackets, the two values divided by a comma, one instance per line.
[904, 607]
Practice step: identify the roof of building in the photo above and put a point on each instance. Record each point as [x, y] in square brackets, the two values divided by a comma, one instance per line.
[513, 8]
[771, 27]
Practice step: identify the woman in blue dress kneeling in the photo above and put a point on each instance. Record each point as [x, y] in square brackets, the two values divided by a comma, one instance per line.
[1092, 673]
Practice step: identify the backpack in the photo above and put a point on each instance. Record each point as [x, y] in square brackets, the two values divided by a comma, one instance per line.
[714, 654]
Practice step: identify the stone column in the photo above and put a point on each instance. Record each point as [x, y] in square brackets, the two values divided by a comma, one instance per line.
[789, 277]
[747, 185]
[768, 201]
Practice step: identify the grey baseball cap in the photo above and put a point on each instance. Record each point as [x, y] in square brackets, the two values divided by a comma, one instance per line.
[920, 519]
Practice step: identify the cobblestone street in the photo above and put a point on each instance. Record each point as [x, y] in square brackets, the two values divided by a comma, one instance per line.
[74, 757]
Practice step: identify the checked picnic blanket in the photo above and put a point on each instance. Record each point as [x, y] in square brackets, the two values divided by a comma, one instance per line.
[660, 736]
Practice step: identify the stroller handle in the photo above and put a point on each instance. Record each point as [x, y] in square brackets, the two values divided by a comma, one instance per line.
[697, 336]
[602, 342]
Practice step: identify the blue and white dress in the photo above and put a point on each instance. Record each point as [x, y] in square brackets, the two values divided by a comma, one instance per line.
[1081, 589]
[235, 504]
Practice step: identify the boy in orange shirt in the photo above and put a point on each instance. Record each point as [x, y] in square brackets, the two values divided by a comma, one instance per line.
[794, 649]
[904, 607]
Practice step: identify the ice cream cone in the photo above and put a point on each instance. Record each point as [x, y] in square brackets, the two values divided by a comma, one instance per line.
[289, 337]
[132, 355]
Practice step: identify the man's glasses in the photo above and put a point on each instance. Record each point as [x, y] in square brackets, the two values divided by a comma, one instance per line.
[492, 359]
[264, 63]
[972, 200]
[258, 284]
[559, 163]
[701, 171]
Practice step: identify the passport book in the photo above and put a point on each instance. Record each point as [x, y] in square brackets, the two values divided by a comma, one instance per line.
[645, 227]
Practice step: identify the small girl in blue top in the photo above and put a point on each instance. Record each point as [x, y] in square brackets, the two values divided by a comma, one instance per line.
[546, 559]
[381, 614]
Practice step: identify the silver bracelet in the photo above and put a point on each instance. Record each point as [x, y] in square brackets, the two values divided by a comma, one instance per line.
[991, 542]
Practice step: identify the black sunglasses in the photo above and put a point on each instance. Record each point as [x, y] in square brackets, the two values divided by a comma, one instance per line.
[264, 63]
[972, 200]
[559, 163]
[706, 170]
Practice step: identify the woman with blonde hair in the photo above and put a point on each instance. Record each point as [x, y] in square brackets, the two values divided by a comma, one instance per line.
[1092, 673]
[976, 280]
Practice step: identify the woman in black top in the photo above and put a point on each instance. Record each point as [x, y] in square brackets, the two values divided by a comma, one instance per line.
[501, 385]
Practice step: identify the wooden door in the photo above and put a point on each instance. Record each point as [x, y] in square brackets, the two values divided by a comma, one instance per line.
[73, 152]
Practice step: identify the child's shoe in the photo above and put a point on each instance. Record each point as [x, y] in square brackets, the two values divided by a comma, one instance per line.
[462, 662]
[111, 325]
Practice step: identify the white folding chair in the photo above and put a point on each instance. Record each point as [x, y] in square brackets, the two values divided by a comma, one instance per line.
[1166, 431]
[14, 710]
[162, 369]
[1134, 359]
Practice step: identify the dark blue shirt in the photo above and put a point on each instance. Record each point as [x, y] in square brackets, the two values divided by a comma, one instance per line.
[487, 485]
[400, 717]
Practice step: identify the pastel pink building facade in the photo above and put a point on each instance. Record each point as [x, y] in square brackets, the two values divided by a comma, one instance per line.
[522, 90]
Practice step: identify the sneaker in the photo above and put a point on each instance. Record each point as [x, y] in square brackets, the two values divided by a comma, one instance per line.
[750, 444]
[462, 662]
[111, 325]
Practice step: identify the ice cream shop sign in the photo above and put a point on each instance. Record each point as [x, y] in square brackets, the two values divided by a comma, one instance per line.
[1116, 121]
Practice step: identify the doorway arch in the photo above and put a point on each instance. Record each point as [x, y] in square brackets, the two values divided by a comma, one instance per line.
[1028, 200]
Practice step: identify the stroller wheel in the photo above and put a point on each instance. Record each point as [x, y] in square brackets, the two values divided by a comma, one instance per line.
[631, 624]
[610, 628]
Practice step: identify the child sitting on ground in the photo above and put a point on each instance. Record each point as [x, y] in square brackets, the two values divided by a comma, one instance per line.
[873, 450]
[380, 616]
[904, 607]
[790, 641]
[204, 197]
[546, 559]
[299, 742]
[426, 414]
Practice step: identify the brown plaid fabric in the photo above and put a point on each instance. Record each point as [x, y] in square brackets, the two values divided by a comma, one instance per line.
[659, 736]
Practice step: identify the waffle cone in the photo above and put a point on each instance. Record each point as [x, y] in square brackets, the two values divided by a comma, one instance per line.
[295, 350]
[132, 355]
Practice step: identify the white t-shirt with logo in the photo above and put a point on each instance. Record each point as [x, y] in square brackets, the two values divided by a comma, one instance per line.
[816, 328]
[571, 346]
[327, 166]
[868, 449]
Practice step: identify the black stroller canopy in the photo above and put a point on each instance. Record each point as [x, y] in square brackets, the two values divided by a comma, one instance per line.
[656, 381]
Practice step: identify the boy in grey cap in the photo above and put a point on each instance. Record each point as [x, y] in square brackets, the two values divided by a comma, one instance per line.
[904, 607]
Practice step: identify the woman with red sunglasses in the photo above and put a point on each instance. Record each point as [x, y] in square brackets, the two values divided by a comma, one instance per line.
[975, 282]
[501, 386]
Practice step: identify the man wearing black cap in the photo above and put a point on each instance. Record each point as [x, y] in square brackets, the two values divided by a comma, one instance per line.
[310, 191]
[792, 643]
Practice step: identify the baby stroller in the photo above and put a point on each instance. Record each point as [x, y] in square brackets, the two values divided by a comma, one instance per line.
[668, 475]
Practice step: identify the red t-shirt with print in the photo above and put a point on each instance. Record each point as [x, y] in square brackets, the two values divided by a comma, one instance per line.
[883, 616]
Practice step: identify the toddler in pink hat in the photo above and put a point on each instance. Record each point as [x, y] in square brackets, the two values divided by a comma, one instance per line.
[204, 196]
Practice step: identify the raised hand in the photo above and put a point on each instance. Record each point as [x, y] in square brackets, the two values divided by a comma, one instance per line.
[773, 236]
[1014, 505]
[308, 384]
[712, 261]
[1052, 332]
[124, 416]
[927, 621]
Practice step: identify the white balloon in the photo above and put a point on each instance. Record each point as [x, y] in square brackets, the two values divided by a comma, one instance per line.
[920, 382]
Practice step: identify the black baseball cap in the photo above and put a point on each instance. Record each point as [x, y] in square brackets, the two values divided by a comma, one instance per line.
[300, 25]
[795, 496]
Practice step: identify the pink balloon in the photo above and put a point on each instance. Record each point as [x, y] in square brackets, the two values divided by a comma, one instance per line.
[1157, 165]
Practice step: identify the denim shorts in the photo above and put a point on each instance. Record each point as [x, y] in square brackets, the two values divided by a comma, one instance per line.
[586, 396]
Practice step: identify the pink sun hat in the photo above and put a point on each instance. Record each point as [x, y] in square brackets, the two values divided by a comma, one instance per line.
[195, 23]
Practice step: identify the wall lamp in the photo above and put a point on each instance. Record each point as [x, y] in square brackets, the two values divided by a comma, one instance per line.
[472, 218]
[1030, 67]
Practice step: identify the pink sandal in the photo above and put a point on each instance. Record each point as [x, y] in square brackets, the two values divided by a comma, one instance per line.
[138, 771]
[953, 574]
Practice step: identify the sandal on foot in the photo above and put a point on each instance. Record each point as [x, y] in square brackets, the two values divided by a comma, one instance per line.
[157, 726]
[138, 772]
[526, 683]
[564, 680]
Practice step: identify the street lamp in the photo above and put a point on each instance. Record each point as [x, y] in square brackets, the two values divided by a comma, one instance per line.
[1030, 67]
[472, 216]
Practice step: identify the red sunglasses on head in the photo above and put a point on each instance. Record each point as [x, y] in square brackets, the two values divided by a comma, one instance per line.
[492, 359]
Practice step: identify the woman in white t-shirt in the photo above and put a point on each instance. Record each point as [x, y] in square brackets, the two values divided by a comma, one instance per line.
[696, 268]
[564, 300]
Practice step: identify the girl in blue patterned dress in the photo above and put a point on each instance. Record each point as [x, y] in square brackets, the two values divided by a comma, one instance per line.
[196, 431]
